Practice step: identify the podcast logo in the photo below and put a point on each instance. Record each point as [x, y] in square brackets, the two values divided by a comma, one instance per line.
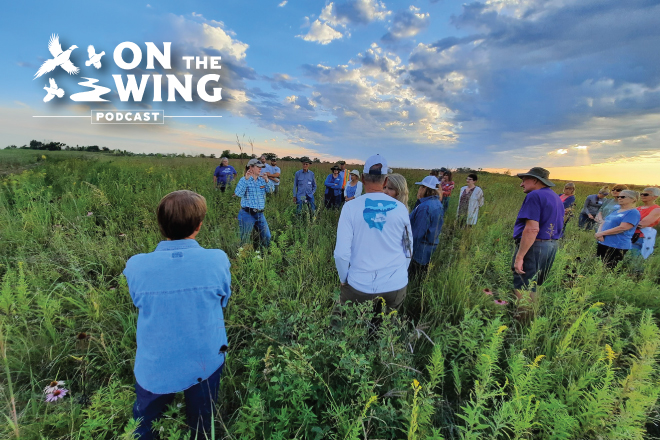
[126, 85]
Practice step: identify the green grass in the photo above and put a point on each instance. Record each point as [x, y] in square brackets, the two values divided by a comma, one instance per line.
[450, 364]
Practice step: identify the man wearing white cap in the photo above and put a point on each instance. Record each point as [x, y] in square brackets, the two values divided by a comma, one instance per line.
[426, 221]
[374, 242]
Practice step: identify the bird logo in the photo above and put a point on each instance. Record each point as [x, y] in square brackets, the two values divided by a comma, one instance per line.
[61, 58]
[53, 90]
[94, 58]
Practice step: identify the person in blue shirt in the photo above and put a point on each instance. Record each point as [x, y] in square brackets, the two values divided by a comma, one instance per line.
[304, 187]
[224, 174]
[180, 290]
[333, 191]
[615, 233]
[426, 222]
[273, 172]
[252, 189]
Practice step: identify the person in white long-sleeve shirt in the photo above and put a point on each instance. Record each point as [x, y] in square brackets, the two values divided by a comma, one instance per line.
[374, 242]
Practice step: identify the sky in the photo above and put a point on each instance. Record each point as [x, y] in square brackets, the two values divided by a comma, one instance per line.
[569, 85]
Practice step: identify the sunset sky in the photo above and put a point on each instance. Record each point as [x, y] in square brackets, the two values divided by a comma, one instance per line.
[570, 85]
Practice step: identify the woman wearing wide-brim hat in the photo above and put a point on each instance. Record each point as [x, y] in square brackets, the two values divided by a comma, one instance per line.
[426, 223]
[353, 188]
[333, 190]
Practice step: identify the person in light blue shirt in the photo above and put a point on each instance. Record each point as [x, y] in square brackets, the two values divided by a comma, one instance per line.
[304, 187]
[426, 222]
[252, 189]
[273, 172]
[180, 290]
[333, 190]
[615, 233]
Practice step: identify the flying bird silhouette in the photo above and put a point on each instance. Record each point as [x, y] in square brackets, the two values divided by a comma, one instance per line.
[53, 90]
[61, 58]
[94, 58]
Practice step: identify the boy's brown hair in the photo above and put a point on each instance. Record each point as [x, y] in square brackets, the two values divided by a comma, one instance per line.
[180, 213]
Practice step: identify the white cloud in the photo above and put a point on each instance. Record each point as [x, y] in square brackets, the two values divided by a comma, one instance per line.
[335, 16]
[321, 33]
[283, 4]
[407, 24]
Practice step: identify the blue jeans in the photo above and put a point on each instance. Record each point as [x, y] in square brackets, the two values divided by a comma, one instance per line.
[302, 201]
[536, 264]
[200, 403]
[445, 203]
[247, 222]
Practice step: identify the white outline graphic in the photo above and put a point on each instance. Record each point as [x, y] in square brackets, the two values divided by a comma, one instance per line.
[53, 90]
[91, 95]
[60, 58]
[94, 58]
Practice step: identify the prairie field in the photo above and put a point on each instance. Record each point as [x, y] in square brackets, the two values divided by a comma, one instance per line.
[450, 364]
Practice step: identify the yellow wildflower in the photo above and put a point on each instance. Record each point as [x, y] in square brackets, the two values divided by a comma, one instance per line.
[538, 359]
[609, 353]
[415, 383]
[43, 157]
[501, 329]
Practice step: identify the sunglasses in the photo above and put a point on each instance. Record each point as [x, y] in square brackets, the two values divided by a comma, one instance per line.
[620, 197]
[645, 194]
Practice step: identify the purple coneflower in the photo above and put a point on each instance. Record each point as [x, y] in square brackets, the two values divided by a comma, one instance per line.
[500, 302]
[488, 291]
[56, 395]
[54, 385]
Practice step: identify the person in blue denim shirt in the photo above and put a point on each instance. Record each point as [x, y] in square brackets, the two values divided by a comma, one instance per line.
[426, 221]
[333, 184]
[180, 290]
[252, 189]
[304, 186]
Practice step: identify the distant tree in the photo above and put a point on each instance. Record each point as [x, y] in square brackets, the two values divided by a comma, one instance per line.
[270, 156]
[212, 155]
[10, 147]
[226, 153]
[316, 160]
[201, 155]
[35, 145]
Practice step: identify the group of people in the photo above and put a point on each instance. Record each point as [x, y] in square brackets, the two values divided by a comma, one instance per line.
[619, 225]
[181, 288]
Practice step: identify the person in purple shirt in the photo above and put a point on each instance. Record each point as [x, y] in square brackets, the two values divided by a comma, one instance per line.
[539, 225]
[224, 174]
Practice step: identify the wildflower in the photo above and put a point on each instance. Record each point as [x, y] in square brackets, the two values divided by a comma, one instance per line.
[500, 302]
[90, 213]
[56, 395]
[43, 157]
[502, 328]
[535, 364]
[54, 385]
[609, 353]
[122, 235]
[488, 291]
[415, 384]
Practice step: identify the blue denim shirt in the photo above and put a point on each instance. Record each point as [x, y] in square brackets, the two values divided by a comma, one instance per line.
[304, 184]
[333, 184]
[426, 221]
[180, 290]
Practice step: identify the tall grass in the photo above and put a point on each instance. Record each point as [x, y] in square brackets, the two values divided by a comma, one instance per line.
[450, 364]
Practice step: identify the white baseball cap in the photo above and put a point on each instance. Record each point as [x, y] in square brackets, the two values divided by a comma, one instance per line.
[429, 182]
[376, 159]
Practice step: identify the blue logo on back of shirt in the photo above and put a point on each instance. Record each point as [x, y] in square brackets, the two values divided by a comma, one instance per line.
[375, 212]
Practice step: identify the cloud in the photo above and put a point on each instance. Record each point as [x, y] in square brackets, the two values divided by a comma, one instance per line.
[406, 24]
[336, 19]
[320, 32]
[354, 12]
[283, 4]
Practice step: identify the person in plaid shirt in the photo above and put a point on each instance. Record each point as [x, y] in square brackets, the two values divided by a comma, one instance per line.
[252, 189]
